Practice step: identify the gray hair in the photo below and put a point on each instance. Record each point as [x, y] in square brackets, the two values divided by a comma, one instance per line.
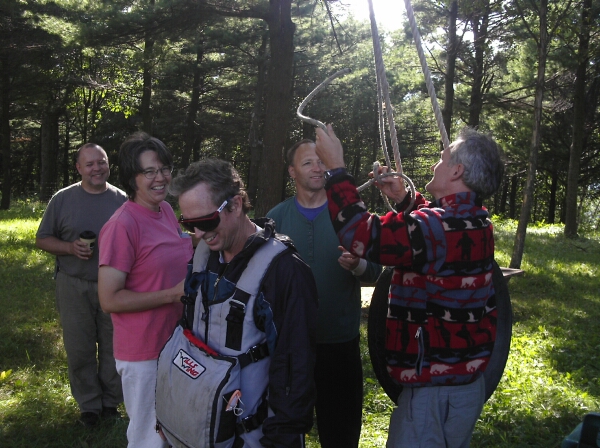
[221, 177]
[482, 159]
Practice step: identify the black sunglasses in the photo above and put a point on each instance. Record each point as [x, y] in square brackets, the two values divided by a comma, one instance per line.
[204, 223]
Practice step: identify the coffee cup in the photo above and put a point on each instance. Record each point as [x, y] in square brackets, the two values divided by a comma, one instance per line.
[88, 237]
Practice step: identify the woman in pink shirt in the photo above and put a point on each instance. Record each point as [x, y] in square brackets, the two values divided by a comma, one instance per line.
[143, 262]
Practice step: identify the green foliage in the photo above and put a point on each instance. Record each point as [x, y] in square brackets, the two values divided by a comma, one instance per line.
[550, 381]
[551, 377]
[84, 60]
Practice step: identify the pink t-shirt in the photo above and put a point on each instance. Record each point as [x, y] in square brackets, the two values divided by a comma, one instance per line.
[151, 248]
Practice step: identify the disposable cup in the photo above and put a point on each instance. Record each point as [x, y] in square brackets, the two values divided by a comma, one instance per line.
[88, 237]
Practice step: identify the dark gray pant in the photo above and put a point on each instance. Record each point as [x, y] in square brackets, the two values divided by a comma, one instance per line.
[339, 382]
[87, 336]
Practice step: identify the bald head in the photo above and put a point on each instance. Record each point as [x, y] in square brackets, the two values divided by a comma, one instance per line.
[92, 165]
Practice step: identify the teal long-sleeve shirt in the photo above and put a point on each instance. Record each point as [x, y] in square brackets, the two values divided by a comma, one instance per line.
[339, 290]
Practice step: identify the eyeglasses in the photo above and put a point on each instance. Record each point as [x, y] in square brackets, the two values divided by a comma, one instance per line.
[204, 223]
[151, 174]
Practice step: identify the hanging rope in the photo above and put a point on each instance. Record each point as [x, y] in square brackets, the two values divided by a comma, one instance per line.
[382, 139]
[311, 95]
[383, 93]
[430, 87]
[317, 123]
[383, 96]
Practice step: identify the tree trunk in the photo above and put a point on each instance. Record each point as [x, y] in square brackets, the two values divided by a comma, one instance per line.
[504, 197]
[147, 81]
[279, 98]
[190, 128]
[519, 246]
[579, 116]
[479, 25]
[86, 93]
[452, 51]
[5, 132]
[49, 146]
[254, 143]
[552, 204]
[512, 209]
[66, 159]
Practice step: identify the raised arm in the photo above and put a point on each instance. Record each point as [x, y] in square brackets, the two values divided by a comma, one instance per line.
[330, 151]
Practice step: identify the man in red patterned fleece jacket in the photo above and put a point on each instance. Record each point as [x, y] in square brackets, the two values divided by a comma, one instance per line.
[441, 323]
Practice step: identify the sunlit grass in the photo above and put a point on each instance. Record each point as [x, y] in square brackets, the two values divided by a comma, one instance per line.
[36, 405]
[550, 381]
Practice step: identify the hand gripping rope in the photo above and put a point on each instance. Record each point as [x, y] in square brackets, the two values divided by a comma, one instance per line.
[383, 95]
[376, 177]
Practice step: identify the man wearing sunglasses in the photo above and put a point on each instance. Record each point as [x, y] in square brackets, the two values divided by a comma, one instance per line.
[214, 207]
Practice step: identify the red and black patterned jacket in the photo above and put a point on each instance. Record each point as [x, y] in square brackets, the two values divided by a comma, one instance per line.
[441, 323]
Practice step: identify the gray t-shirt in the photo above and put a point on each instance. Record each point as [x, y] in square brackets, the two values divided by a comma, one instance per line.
[73, 210]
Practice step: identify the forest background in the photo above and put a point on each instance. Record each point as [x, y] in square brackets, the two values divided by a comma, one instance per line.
[224, 79]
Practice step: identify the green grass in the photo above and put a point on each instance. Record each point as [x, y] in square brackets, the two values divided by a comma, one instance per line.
[36, 406]
[550, 382]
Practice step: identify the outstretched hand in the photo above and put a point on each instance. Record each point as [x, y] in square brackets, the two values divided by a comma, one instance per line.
[329, 148]
[347, 260]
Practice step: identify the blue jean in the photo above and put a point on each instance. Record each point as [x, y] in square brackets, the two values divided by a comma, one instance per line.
[439, 416]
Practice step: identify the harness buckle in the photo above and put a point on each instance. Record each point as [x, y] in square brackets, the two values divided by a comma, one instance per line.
[258, 352]
[250, 353]
[237, 304]
[248, 421]
[254, 421]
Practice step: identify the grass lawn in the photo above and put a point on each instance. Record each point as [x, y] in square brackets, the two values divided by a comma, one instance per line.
[550, 382]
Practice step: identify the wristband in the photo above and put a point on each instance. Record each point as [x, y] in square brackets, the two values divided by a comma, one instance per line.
[330, 173]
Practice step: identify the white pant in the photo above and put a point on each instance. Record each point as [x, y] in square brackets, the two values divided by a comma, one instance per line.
[139, 385]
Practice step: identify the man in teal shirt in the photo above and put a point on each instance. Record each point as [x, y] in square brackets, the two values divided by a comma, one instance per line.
[338, 372]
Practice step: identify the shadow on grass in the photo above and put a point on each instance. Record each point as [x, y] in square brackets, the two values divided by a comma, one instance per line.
[523, 431]
[66, 433]
[38, 411]
[27, 299]
[561, 298]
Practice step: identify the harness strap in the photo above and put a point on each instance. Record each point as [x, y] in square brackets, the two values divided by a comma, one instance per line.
[254, 354]
[201, 254]
[254, 421]
[256, 268]
[235, 319]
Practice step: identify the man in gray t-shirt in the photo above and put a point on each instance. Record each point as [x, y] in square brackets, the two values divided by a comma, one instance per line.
[87, 330]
